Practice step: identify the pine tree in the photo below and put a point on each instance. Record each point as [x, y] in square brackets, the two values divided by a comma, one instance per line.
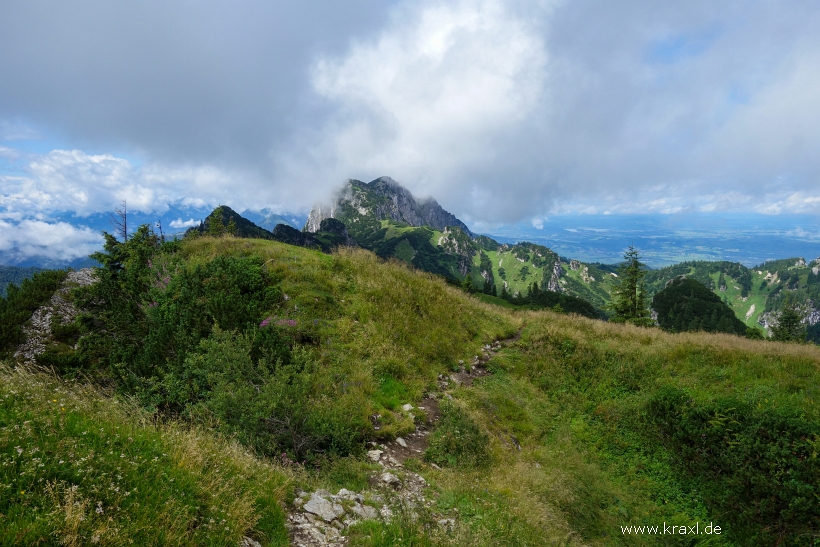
[231, 228]
[629, 295]
[216, 227]
[467, 284]
[494, 292]
[790, 327]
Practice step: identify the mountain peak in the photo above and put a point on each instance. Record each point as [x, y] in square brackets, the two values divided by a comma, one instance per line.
[383, 199]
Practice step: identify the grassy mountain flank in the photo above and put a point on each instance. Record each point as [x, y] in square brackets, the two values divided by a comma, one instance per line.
[754, 294]
[580, 428]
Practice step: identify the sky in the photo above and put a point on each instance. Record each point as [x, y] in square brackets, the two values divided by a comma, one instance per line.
[505, 111]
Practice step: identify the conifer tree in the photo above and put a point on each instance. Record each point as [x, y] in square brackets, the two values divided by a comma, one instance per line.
[790, 327]
[231, 227]
[216, 227]
[629, 295]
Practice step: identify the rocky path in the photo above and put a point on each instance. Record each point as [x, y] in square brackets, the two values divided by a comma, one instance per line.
[38, 331]
[319, 519]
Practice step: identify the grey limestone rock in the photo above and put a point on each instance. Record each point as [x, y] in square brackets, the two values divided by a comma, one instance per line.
[385, 199]
[326, 510]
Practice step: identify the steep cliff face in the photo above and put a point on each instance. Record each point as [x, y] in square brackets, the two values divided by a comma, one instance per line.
[383, 199]
[457, 242]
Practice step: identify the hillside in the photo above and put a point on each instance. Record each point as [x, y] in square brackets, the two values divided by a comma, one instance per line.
[755, 294]
[14, 275]
[533, 428]
[387, 219]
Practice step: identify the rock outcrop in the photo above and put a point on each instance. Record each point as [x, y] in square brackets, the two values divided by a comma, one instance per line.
[383, 199]
[37, 333]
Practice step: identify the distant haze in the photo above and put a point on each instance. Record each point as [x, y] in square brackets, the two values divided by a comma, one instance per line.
[504, 111]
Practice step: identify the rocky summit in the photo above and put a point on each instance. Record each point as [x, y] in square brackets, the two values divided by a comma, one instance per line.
[384, 199]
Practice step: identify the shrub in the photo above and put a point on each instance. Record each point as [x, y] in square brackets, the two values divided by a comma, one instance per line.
[756, 468]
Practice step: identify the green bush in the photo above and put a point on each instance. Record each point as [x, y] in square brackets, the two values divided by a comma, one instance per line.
[154, 311]
[268, 405]
[457, 441]
[757, 469]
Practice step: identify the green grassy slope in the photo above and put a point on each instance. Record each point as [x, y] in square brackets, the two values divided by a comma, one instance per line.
[588, 425]
[79, 468]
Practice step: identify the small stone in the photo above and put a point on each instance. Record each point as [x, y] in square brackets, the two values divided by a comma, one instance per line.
[390, 479]
[344, 492]
[374, 454]
[365, 511]
[338, 525]
[447, 523]
[249, 542]
[407, 407]
[401, 442]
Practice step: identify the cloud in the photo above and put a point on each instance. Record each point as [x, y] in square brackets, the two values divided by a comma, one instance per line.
[210, 81]
[504, 110]
[36, 239]
[434, 98]
[10, 131]
[85, 184]
[179, 223]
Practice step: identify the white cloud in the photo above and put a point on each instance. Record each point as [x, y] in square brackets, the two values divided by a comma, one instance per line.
[179, 223]
[796, 203]
[85, 184]
[433, 97]
[58, 241]
[503, 110]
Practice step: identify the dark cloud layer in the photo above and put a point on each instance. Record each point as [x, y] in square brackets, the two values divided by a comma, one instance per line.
[183, 80]
[503, 110]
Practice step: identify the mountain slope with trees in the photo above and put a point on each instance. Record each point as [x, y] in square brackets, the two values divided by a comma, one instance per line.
[687, 305]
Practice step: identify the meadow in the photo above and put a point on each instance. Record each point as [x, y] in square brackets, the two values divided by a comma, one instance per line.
[581, 427]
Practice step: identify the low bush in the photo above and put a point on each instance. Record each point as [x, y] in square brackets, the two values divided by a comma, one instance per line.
[757, 469]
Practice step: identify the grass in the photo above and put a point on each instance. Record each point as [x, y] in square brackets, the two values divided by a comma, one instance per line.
[553, 448]
[399, 323]
[79, 468]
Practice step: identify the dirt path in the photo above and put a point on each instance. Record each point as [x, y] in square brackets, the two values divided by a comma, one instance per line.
[318, 519]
